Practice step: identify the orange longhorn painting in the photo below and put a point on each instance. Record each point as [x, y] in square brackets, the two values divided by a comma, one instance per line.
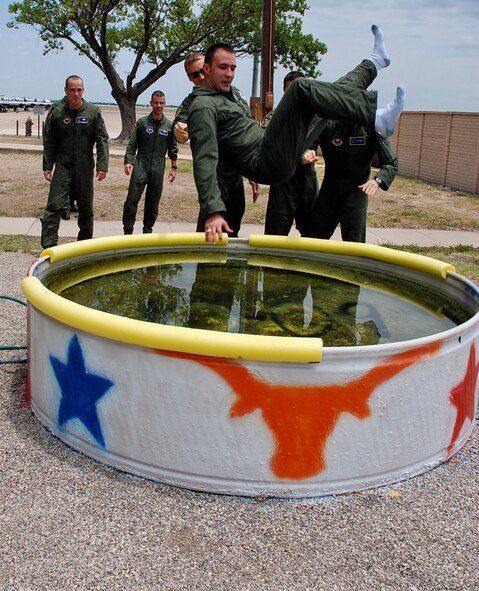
[301, 417]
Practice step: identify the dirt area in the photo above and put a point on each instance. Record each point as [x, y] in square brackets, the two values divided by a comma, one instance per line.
[23, 191]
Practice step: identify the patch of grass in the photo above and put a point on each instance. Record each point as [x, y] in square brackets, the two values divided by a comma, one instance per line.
[184, 167]
[21, 243]
[465, 258]
[119, 187]
[424, 218]
[255, 213]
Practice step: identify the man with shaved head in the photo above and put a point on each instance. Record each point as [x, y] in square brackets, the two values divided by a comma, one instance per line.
[72, 128]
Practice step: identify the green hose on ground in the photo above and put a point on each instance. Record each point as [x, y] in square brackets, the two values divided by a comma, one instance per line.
[13, 347]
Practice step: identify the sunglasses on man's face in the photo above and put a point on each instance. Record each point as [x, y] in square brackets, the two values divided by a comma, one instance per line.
[196, 74]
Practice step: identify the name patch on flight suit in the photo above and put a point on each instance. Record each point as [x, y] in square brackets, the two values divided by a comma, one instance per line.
[82, 119]
[163, 131]
[149, 130]
[67, 120]
[357, 141]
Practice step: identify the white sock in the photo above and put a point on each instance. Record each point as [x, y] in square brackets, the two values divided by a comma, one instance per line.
[387, 118]
[379, 56]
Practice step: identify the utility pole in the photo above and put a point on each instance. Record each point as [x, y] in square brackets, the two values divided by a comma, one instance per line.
[261, 105]
[267, 56]
[254, 84]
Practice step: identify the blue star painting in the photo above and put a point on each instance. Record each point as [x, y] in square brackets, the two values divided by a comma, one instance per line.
[80, 390]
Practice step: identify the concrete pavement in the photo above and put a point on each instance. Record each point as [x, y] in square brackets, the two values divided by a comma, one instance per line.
[419, 237]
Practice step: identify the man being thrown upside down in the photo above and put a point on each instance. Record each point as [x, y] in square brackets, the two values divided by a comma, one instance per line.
[221, 128]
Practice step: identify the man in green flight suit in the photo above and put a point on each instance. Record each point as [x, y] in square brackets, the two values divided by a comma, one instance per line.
[230, 182]
[348, 151]
[221, 127]
[71, 206]
[72, 128]
[150, 141]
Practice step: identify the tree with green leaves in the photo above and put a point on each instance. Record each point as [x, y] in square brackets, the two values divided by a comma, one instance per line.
[160, 33]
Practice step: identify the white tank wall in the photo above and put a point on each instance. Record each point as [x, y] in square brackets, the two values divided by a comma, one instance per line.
[168, 418]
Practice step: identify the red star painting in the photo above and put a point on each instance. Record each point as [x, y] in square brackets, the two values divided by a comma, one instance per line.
[462, 397]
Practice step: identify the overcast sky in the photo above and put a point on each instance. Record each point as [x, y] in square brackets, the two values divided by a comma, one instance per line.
[434, 46]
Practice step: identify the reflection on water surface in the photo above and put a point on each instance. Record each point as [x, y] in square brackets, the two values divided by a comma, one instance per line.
[265, 295]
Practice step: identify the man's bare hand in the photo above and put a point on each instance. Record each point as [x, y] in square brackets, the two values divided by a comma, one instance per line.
[309, 157]
[101, 175]
[128, 169]
[370, 187]
[181, 132]
[215, 225]
[256, 188]
[48, 175]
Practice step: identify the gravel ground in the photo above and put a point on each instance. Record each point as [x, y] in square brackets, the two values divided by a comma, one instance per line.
[70, 523]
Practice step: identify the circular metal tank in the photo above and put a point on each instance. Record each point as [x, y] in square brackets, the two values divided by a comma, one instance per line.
[243, 414]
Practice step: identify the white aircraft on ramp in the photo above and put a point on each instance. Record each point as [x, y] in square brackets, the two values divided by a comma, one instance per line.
[17, 102]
